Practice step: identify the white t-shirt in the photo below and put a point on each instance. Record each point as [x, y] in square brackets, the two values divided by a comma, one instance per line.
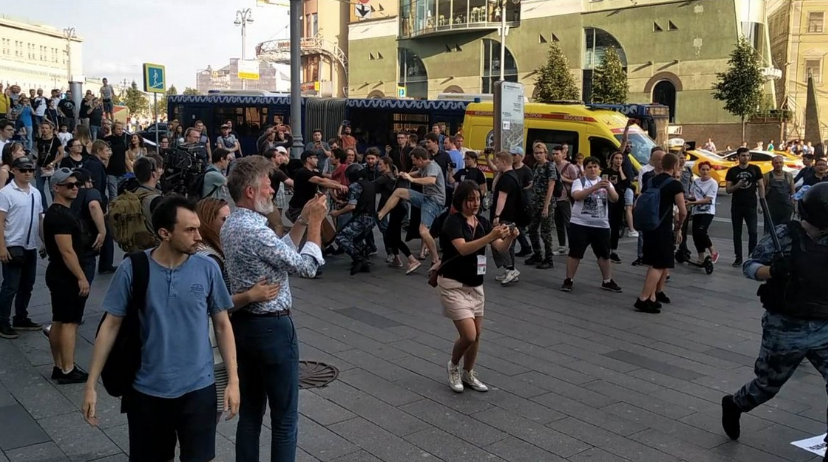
[40, 110]
[64, 138]
[701, 189]
[17, 204]
[593, 211]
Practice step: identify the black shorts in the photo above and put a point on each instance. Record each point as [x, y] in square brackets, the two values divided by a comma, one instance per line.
[67, 304]
[581, 237]
[658, 249]
[155, 424]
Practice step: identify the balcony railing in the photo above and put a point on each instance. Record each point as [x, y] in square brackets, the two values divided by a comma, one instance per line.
[447, 20]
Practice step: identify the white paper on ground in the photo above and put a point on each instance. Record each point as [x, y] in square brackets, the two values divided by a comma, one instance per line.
[816, 445]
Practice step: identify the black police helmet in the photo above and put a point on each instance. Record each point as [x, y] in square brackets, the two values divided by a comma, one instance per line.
[813, 207]
[354, 172]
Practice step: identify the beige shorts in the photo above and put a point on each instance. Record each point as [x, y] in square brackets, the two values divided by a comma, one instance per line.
[460, 301]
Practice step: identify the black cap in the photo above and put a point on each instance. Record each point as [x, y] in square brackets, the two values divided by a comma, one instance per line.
[82, 175]
[306, 155]
[23, 163]
[813, 207]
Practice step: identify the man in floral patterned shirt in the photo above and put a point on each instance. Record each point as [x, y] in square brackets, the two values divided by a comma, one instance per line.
[543, 184]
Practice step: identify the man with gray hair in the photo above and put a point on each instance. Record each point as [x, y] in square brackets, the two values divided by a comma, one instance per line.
[266, 344]
[779, 191]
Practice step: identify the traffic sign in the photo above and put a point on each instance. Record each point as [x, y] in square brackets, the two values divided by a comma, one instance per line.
[362, 11]
[154, 78]
[401, 92]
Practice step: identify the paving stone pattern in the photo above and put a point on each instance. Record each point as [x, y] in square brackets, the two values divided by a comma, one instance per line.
[574, 377]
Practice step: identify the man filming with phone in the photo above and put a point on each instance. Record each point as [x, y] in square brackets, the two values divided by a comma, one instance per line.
[321, 148]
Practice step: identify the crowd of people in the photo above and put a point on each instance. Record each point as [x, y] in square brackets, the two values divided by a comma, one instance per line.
[222, 252]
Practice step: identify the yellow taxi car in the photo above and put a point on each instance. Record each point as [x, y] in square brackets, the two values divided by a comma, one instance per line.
[718, 164]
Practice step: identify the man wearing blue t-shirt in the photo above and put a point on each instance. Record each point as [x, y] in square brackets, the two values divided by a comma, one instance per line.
[174, 393]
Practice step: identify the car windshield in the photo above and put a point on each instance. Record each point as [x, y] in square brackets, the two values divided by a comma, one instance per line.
[641, 146]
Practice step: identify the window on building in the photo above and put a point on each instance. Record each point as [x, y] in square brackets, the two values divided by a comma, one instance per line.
[816, 22]
[312, 25]
[413, 74]
[492, 66]
[814, 67]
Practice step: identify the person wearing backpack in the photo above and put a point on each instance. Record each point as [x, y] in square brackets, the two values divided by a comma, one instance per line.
[654, 216]
[130, 214]
[590, 226]
[567, 173]
[213, 182]
[779, 191]
[171, 396]
[507, 209]
[544, 183]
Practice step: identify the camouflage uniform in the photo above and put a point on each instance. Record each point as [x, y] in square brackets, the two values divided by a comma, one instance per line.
[786, 340]
[542, 174]
[351, 238]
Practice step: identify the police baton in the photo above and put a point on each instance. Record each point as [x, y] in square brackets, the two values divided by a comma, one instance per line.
[769, 225]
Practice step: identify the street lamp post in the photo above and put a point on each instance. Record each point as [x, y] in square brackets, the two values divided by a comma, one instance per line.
[243, 18]
[69, 34]
[296, 10]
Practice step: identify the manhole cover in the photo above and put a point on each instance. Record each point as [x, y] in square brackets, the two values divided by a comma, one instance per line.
[313, 374]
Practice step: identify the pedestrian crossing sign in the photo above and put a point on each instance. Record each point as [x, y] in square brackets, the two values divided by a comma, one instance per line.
[154, 78]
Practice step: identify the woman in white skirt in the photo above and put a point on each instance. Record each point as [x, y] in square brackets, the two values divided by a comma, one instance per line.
[463, 239]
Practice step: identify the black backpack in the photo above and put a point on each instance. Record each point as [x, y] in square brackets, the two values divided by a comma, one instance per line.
[118, 374]
[197, 185]
[524, 207]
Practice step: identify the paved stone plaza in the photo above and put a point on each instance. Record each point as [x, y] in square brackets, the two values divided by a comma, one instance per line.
[577, 377]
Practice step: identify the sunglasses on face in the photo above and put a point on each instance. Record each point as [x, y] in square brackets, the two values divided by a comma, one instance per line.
[26, 170]
[72, 185]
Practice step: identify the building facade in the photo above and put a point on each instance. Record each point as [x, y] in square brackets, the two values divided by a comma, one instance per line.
[672, 49]
[324, 48]
[799, 44]
[35, 56]
[227, 78]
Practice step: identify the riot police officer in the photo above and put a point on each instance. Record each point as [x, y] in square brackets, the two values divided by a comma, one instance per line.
[795, 323]
[362, 207]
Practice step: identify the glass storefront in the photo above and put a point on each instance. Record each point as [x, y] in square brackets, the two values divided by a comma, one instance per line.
[413, 74]
[419, 17]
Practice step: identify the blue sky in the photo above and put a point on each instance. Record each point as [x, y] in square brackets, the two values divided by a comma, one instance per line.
[183, 35]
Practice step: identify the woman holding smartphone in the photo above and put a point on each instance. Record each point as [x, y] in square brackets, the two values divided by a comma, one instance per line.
[615, 175]
[463, 239]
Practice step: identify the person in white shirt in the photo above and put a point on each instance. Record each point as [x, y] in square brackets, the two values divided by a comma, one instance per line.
[21, 222]
[703, 199]
[589, 224]
[64, 136]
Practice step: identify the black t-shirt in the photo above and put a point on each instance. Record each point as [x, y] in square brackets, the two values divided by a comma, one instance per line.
[277, 178]
[812, 179]
[303, 189]
[746, 195]
[384, 185]
[95, 117]
[462, 268]
[60, 220]
[84, 107]
[97, 172]
[71, 163]
[442, 158]
[473, 174]
[524, 175]
[117, 162]
[47, 150]
[509, 184]
[67, 108]
[668, 199]
[80, 209]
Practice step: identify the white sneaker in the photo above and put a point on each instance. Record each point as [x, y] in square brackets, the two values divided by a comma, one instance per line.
[470, 379]
[561, 251]
[389, 259]
[511, 276]
[632, 233]
[455, 382]
[500, 277]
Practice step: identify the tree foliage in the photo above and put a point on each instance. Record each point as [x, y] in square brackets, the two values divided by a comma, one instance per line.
[740, 86]
[609, 83]
[190, 91]
[136, 100]
[555, 81]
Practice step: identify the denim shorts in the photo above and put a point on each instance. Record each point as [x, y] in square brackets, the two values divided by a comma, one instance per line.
[629, 197]
[429, 209]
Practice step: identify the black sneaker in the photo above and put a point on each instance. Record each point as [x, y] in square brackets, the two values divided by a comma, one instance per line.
[74, 376]
[662, 297]
[546, 265]
[567, 285]
[730, 417]
[56, 373]
[533, 260]
[738, 262]
[611, 286]
[614, 258]
[26, 324]
[637, 262]
[646, 306]
[524, 253]
[7, 332]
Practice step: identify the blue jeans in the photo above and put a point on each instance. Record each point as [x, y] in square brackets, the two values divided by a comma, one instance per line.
[107, 255]
[43, 184]
[268, 356]
[429, 209]
[18, 281]
[93, 130]
[111, 187]
[786, 341]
